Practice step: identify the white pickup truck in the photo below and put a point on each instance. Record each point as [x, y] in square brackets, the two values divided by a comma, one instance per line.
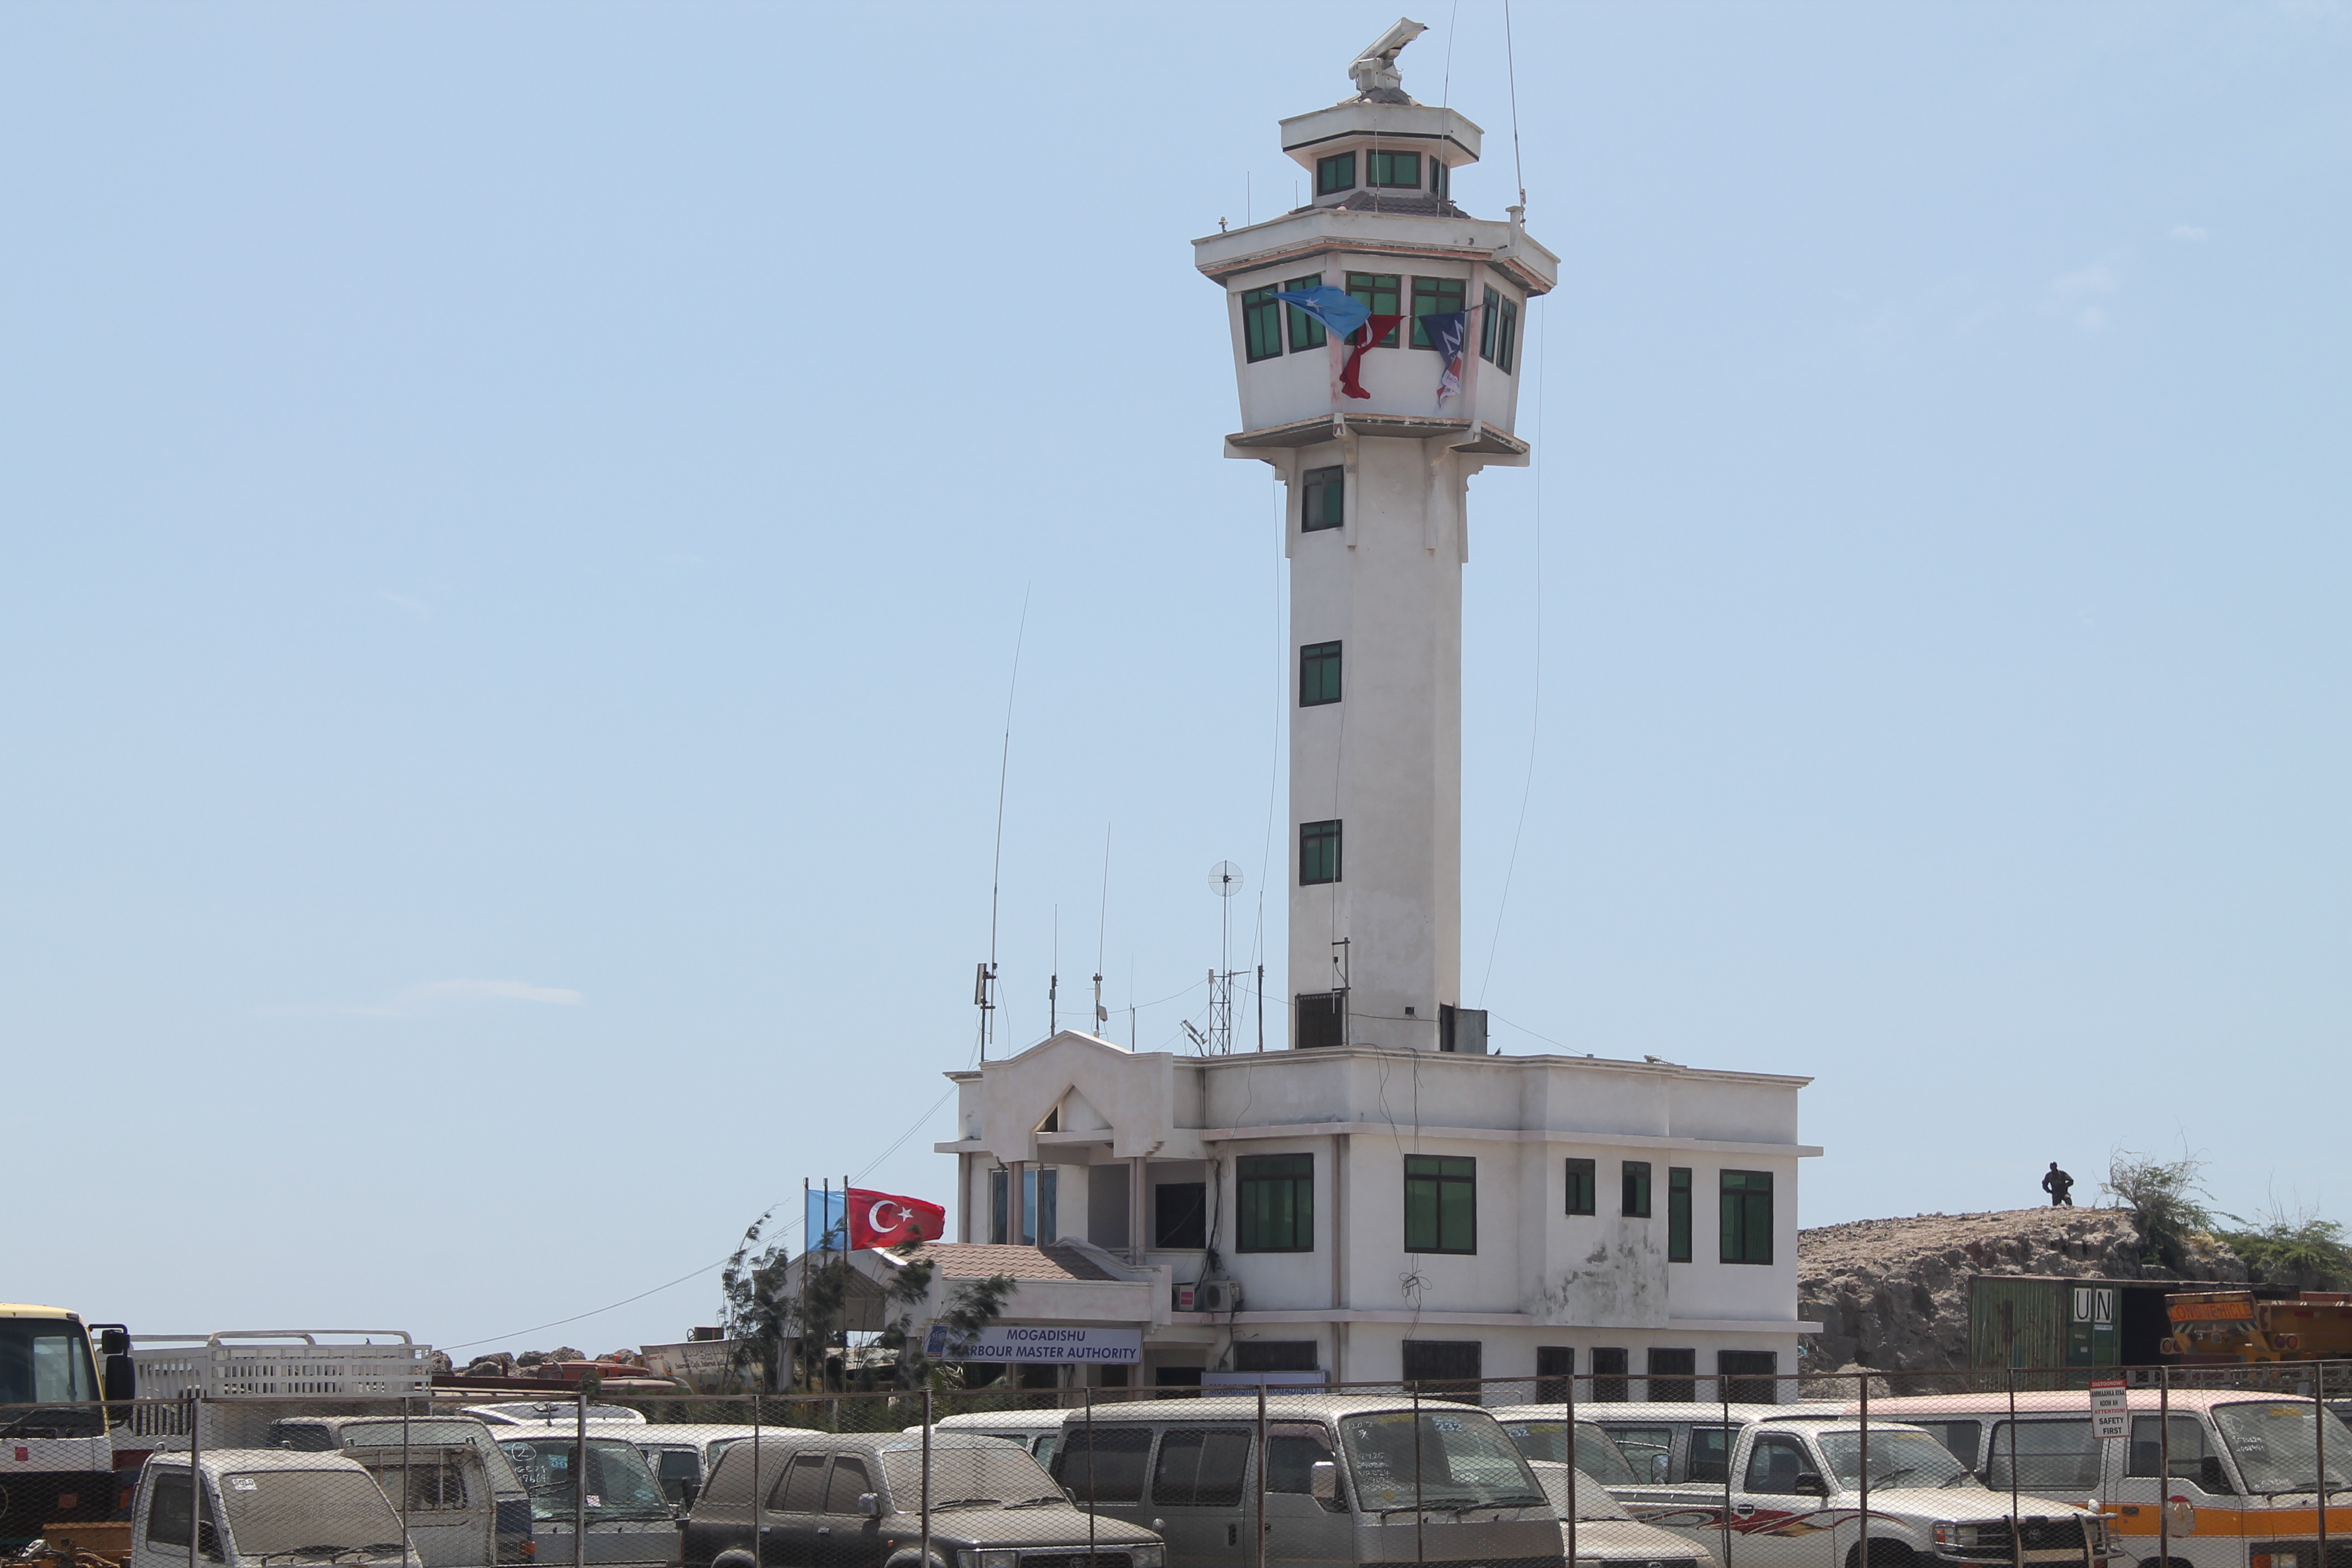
[1791, 1497]
[264, 1508]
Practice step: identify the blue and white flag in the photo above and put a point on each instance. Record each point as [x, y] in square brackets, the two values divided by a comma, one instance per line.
[825, 1222]
[1447, 332]
[1339, 312]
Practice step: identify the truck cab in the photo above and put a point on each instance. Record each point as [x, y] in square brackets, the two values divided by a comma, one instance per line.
[56, 1460]
[263, 1508]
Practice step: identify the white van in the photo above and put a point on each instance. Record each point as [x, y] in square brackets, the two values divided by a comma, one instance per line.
[264, 1508]
[450, 1505]
[1786, 1492]
[2242, 1482]
[628, 1518]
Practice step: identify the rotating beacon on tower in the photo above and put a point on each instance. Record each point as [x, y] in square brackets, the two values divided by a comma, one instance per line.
[1377, 344]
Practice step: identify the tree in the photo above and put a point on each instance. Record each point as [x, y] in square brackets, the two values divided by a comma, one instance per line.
[2165, 1196]
[756, 1308]
[969, 1308]
[2298, 1251]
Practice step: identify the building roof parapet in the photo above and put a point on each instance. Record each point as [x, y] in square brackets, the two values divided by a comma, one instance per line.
[1316, 230]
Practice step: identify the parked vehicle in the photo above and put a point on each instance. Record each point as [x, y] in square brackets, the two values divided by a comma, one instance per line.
[1673, 1444]
[57, 1457]
[1038, 1431]
[546, 1412]
[2244, 1472]
[264, 1508]
[487, 1497]
[855, 1501]
[1349, 1479]
[1540, 1432]
[1605, 1532]
[628, 1519]
[680, 1456]
[1787, 1492]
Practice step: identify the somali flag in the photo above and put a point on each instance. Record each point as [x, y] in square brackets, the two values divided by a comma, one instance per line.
[825, 1222]
[1446, 333]
[1339, 312]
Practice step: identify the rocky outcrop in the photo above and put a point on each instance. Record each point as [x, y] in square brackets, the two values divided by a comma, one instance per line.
[1892, 1294]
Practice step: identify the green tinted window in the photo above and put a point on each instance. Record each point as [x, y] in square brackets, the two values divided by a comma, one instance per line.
[1377, 292]
[1396, 170]
[1261, 324]
[1441, 178]
[1318, 674]
[1580, 1186]
[1678, 1215]
[1432, 297]
[1507, 336]
[1305, 332]
[1746, 1216]
[1318, 852]
[1277, 1202]
[1336, 172]
[1322, 499]
[1441, 1204]
[1634, 1193]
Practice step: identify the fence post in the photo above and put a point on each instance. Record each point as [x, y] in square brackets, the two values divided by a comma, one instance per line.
[1420, 1548]
[580, 1477]
[758, 1498]
[2319, 1464]
[1723, 1397]
[1568, 1406]
[1862, 1542]
[925, 1560]
[1260, 1558]
[407, 1477]
[2016, 1546]
[2163, 1465]
[196, 1510]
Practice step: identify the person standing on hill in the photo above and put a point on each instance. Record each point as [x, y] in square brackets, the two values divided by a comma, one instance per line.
[2059, 1185]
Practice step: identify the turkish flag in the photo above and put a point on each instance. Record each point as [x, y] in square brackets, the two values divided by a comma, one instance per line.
[885, 1219]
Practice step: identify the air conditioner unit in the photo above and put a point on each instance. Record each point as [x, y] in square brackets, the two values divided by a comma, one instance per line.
[1217, 1296]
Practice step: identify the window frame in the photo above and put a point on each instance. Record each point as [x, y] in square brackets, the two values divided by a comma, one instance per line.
[1441, 178]
[1315, 487]
[1303, 331]
[1507, 354]
[1633, 1189]
[1261, 319]
[1319, 850]
[1737, 1240]
[1583, 1179]
[1258, 1184]
[1442, 1175]
[1369, 289]
[1438, 291]
[1382, 160]
[1320, 677]
[1678, 1214]
[1328, 171]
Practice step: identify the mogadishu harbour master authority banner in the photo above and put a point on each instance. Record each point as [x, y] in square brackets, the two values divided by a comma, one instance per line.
[1005, 1342]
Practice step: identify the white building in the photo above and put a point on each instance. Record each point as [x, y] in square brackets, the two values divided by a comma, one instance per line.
[1384, 1199]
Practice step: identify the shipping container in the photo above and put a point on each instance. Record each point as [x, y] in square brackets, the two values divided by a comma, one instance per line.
[2046, 1320]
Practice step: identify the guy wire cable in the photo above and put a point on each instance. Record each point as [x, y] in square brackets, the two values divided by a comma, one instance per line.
[1535, 718]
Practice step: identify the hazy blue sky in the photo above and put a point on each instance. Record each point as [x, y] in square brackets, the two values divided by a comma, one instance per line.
[516, 516]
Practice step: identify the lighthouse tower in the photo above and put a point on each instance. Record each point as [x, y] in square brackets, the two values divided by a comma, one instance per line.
[1376, 530]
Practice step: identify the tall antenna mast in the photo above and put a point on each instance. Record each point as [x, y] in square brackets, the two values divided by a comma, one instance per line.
[1102, 924]
[983, 990]
[1225, 880]
[1053, 981]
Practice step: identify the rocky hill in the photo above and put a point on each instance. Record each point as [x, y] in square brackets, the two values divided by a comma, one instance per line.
[1892, 1294]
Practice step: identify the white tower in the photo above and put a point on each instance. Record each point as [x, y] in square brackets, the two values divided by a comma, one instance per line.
[1376, 531]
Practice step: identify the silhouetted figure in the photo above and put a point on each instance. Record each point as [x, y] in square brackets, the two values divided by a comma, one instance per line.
[2059, 1185]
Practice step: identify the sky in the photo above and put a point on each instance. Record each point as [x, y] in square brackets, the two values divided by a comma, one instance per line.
[518, 520]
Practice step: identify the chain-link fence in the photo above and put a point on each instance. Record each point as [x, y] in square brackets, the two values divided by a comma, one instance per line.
[2209, 1468]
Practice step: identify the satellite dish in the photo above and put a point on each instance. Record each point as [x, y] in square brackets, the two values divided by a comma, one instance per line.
[1224, 879]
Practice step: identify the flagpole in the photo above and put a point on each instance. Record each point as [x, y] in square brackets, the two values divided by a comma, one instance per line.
[809, 1246]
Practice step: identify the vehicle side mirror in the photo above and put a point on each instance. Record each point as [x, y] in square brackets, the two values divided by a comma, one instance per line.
[1323, 1481]
[688, 1491]
[122, 1379]
[869, 1504]
[1808, 1484]
[114, 1341]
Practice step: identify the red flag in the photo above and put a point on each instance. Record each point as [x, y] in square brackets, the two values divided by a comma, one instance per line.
[884, 1219]
[1364, 337]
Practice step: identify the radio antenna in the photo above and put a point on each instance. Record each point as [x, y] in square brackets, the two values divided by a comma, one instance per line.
[984, 986]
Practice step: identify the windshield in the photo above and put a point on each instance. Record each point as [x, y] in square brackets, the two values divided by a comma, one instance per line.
[1592, 1499]
[1896, 1460]
[975, 1476]
[1596, 1452]
[387, 1434]
[41, 1360]
[2276, 1445]
[619, 1485]
[1466, 1461]
[295, 1515]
